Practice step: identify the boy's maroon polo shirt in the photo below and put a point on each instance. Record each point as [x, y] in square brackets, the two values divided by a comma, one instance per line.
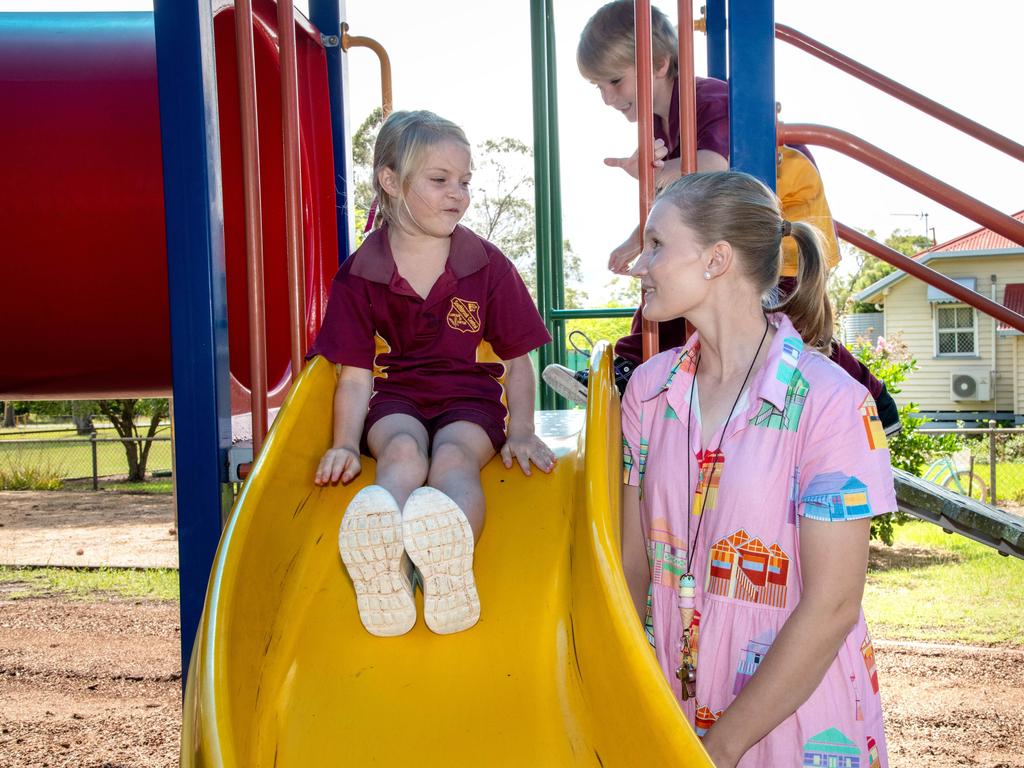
[712, 101]
[441, 352]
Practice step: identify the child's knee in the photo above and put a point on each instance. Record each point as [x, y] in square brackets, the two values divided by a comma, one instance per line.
[450, 457]
[403, 449]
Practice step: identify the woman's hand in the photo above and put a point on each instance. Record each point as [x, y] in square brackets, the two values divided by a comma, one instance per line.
[526, 447]
[621, 258]
[631, 164]
[338, 464]
[720, 756]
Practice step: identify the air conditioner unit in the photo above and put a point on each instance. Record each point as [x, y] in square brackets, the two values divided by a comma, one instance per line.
[970, 384]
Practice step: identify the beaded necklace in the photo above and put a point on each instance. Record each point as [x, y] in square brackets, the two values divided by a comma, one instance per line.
[687, 669]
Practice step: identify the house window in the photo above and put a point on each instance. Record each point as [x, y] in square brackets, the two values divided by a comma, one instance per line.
[955, 330]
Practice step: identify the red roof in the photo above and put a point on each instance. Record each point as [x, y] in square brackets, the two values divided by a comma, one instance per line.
[1013, 298]
[981, 239]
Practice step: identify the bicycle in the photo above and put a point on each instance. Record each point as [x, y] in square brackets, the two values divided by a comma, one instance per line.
[945, 472]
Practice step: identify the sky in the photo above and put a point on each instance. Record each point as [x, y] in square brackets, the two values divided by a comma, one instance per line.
[470, 61]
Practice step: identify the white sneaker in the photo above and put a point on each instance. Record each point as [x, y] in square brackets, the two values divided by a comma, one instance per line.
[439, 542]
[371, 546]
[565, 382]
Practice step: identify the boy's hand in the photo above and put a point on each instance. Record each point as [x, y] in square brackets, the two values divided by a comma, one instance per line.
[524, 448]
[338, 464]
[631, 164]
[623, 256]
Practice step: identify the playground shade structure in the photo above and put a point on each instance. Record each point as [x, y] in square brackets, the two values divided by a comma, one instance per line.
[557, 672]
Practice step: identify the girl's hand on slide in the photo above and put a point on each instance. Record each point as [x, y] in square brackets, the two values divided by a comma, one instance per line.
[622, 257]
[338, 464]
[525, 449]
[631, 164]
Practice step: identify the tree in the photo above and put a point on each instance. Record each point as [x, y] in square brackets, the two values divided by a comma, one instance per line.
[8, 413]
[870, 270]
[123, 414]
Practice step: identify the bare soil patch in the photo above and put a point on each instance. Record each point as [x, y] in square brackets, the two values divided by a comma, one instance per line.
[88, 529]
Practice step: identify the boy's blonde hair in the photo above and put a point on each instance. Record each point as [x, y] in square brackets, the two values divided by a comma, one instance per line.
[608, 42]
[400, 145]
[737, 208]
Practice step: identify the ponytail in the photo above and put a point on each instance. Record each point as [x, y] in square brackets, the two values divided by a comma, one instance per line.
[809, 307]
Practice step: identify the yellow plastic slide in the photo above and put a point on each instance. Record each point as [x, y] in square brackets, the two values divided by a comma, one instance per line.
[557, 672]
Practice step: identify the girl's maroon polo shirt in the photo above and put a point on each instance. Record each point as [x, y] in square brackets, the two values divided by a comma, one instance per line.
[441, 352]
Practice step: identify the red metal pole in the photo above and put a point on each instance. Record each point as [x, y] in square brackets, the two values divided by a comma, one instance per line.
[253, 222]
[687, 91]
[894, 168]
[645, 134]
[930, 276]
[292, 185]
[901, 92]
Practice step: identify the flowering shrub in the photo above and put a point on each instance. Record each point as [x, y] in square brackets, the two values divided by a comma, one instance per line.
[911, 449]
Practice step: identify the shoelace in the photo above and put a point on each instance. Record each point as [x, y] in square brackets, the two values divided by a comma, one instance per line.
[578, 350]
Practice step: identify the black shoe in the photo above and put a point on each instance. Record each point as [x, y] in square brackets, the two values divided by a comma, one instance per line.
[888, 413]
[573, 384]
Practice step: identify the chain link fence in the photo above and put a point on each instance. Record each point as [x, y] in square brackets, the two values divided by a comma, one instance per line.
[52, 459]
[989, 468]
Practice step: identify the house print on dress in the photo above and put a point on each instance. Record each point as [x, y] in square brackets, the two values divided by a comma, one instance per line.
[788, 418]
[872, 424]
[873, 759]
[831, 749]
[666, 555]
[711, 465]
[794, 496]
[743, 568]
[791, 348]
[627, 461]
[867, 650]
[704, 718]
[750, 659]
[835, 496]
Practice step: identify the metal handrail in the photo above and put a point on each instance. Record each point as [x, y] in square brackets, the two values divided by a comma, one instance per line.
[292, 185]
[930, 276]
[561, 315]
[645, 141]
[246, 63]
[354, 41]
[899, 91]
[894, 168]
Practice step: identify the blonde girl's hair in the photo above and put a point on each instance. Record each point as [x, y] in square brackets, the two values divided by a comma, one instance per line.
[739, 209]
[608, 42]
[400, 146]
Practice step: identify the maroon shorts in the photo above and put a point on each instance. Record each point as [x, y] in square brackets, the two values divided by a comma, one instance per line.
[491, 423]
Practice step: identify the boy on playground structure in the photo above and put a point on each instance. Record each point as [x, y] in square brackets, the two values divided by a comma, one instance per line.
[431, 325]
[605, 56]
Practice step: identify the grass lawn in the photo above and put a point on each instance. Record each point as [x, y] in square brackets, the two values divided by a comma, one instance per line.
[1009, 480]
[937, 587]
[74, 459]
[88, 584]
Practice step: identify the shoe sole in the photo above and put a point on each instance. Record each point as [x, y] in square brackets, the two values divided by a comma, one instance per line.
[371, 546]
[439, 541]
[893, 429]
[565, 384]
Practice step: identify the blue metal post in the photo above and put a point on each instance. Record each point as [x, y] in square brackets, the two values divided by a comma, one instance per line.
[752, 88]
[326, 15]
[193, 207]
[717, 49]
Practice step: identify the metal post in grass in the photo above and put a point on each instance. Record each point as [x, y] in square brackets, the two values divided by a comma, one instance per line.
[992, 462]
[95, 462]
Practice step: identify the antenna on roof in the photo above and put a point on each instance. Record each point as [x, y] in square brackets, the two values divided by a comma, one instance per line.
[927, 229]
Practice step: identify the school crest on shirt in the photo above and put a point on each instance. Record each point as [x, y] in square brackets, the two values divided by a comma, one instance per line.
[464, 316]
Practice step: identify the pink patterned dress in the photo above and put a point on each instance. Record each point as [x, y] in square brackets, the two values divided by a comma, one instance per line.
[804, 440]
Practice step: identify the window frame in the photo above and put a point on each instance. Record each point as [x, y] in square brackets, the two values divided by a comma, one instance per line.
[936, 330]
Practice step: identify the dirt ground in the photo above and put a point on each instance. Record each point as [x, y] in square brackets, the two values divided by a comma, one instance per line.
[97, 684]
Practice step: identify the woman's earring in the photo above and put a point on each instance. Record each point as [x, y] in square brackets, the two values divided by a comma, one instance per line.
[707, 275]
